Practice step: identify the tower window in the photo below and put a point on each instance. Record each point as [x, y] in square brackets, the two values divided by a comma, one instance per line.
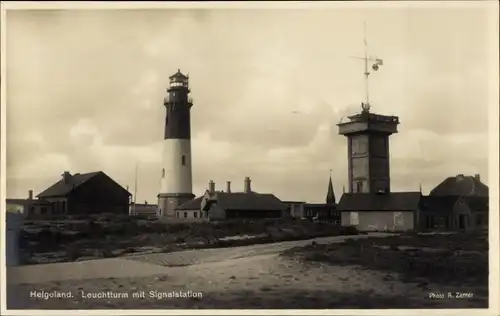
[183, 160]
[359, 186]
[163, 173]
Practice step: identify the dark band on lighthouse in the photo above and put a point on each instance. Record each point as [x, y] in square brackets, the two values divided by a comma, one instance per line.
[178, 105]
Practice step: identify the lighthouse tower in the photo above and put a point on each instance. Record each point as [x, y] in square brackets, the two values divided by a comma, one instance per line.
[176, 175]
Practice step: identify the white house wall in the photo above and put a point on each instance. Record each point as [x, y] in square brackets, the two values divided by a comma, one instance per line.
[189, 216]
[177, 177]
[373, 220]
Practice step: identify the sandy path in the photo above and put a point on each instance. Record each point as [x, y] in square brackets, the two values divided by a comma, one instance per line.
[243, 277]
[149, 264]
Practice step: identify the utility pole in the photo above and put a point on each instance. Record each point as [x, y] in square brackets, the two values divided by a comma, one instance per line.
[135, 187]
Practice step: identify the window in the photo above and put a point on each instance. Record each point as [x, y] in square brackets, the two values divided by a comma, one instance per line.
[163, 173]
[354, 219]
[431, 221]
[43, 210]
[185, 214]
[359, 187]
[177, 214]
[195, 214]
[183, 160]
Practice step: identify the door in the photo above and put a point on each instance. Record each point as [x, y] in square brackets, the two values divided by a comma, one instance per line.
[461, 221]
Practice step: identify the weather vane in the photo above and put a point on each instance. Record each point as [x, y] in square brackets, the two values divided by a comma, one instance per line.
[375, 66]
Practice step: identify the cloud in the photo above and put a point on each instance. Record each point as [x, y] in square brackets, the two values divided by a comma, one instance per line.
[85, 92]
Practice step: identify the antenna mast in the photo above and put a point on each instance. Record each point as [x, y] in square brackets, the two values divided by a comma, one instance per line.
[377, 62]
[367, 94]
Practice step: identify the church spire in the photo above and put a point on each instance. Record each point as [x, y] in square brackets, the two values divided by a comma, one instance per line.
[330, 196]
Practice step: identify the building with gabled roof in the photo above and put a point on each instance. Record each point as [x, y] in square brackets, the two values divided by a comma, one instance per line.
[143, 209]
[83, 193]
[394, 211]
[457, 203]
[219, 205]
[461, 185]
[67, 184]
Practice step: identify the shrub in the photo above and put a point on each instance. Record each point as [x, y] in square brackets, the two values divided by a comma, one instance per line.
[104, 252]
[73, 252]
[349, 230]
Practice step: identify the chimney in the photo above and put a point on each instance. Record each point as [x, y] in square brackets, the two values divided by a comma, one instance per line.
[30, 195]
[477, 177]
[228, 187]
[66, 177]
[211, 186]
[247, 187]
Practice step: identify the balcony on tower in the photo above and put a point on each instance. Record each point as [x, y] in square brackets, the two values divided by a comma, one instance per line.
[167, 101]
[366, 122]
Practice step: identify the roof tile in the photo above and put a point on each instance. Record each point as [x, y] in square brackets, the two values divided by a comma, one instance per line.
[393, 201]
[462, 186]
[61, 189]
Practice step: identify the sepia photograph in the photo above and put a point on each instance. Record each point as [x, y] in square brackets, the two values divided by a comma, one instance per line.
[244, 156]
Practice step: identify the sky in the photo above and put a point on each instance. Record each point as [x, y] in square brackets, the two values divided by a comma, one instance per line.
[85, 89]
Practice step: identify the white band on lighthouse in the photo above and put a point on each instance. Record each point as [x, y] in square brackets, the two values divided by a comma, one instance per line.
[177, 165]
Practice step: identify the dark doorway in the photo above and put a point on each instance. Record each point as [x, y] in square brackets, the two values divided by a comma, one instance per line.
[461, 221]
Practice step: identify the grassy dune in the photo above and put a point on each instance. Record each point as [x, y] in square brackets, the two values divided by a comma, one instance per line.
[454, 259]
[112, 236]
